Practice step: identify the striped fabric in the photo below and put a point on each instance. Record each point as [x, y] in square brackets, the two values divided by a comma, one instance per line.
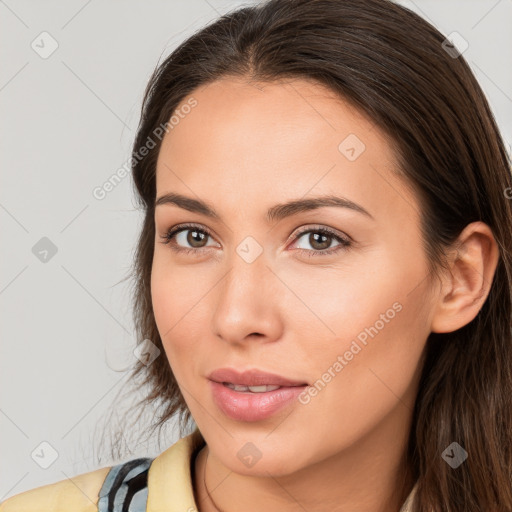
[125, 488]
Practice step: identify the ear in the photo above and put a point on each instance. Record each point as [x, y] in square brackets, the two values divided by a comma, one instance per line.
[472, 264]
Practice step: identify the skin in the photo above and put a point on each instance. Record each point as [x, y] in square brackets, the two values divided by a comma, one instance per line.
[244, 148]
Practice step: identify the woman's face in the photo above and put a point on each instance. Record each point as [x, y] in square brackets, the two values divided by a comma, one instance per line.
[277, 292]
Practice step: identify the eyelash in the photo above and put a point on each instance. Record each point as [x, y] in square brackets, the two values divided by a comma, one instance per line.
[344, 242]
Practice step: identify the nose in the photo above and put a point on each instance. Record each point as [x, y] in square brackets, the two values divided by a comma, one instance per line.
[247, 304]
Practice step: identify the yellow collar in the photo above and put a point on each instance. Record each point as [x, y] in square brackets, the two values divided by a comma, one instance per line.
[170, 487]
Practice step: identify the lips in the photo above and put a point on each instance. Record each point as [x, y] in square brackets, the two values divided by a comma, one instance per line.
[248, 406]
[252, 377]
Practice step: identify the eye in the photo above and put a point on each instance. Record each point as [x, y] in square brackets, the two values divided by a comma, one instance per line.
[321, 239]
[186, 234]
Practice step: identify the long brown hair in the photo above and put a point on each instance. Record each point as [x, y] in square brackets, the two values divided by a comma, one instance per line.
[392, 64]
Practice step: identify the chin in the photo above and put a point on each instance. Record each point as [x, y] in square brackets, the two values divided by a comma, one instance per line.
[261, 455]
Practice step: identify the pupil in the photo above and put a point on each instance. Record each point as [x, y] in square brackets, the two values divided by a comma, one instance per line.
[314, 240]
[194, 242]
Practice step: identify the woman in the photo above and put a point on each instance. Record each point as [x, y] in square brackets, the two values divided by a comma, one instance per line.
[345, 131]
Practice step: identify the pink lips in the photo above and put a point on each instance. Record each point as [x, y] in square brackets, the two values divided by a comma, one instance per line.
[249, 406]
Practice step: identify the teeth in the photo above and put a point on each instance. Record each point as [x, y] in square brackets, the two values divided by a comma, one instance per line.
[262, 389]
[253, 389]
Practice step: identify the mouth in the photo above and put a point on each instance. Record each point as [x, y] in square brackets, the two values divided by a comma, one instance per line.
[253, 403]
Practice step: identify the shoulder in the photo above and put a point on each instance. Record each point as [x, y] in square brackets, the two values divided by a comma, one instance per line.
[79, 493]
[103, 490]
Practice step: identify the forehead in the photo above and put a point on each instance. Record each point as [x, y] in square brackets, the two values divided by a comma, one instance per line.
[255, 142]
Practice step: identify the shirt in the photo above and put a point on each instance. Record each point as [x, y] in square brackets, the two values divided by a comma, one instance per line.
[159, 484]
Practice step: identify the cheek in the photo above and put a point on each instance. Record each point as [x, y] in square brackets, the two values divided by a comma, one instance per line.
[179, 303]
[172, 291]
[356, 298]
[162, 298]
[369, 322]
[367, 371]
[167, 307]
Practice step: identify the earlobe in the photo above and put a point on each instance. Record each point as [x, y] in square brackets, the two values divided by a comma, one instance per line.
[466, 285]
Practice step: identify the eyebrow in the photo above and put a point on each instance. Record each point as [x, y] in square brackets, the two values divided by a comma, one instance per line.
[275, 213]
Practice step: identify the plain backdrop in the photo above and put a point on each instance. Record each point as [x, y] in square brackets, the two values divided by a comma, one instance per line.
[68, 121]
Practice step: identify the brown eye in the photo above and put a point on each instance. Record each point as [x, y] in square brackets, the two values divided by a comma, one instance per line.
[195, 237]
[187, 238]
[321, 240]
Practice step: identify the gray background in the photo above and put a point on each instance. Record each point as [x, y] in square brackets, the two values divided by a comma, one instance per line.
[68, 121]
